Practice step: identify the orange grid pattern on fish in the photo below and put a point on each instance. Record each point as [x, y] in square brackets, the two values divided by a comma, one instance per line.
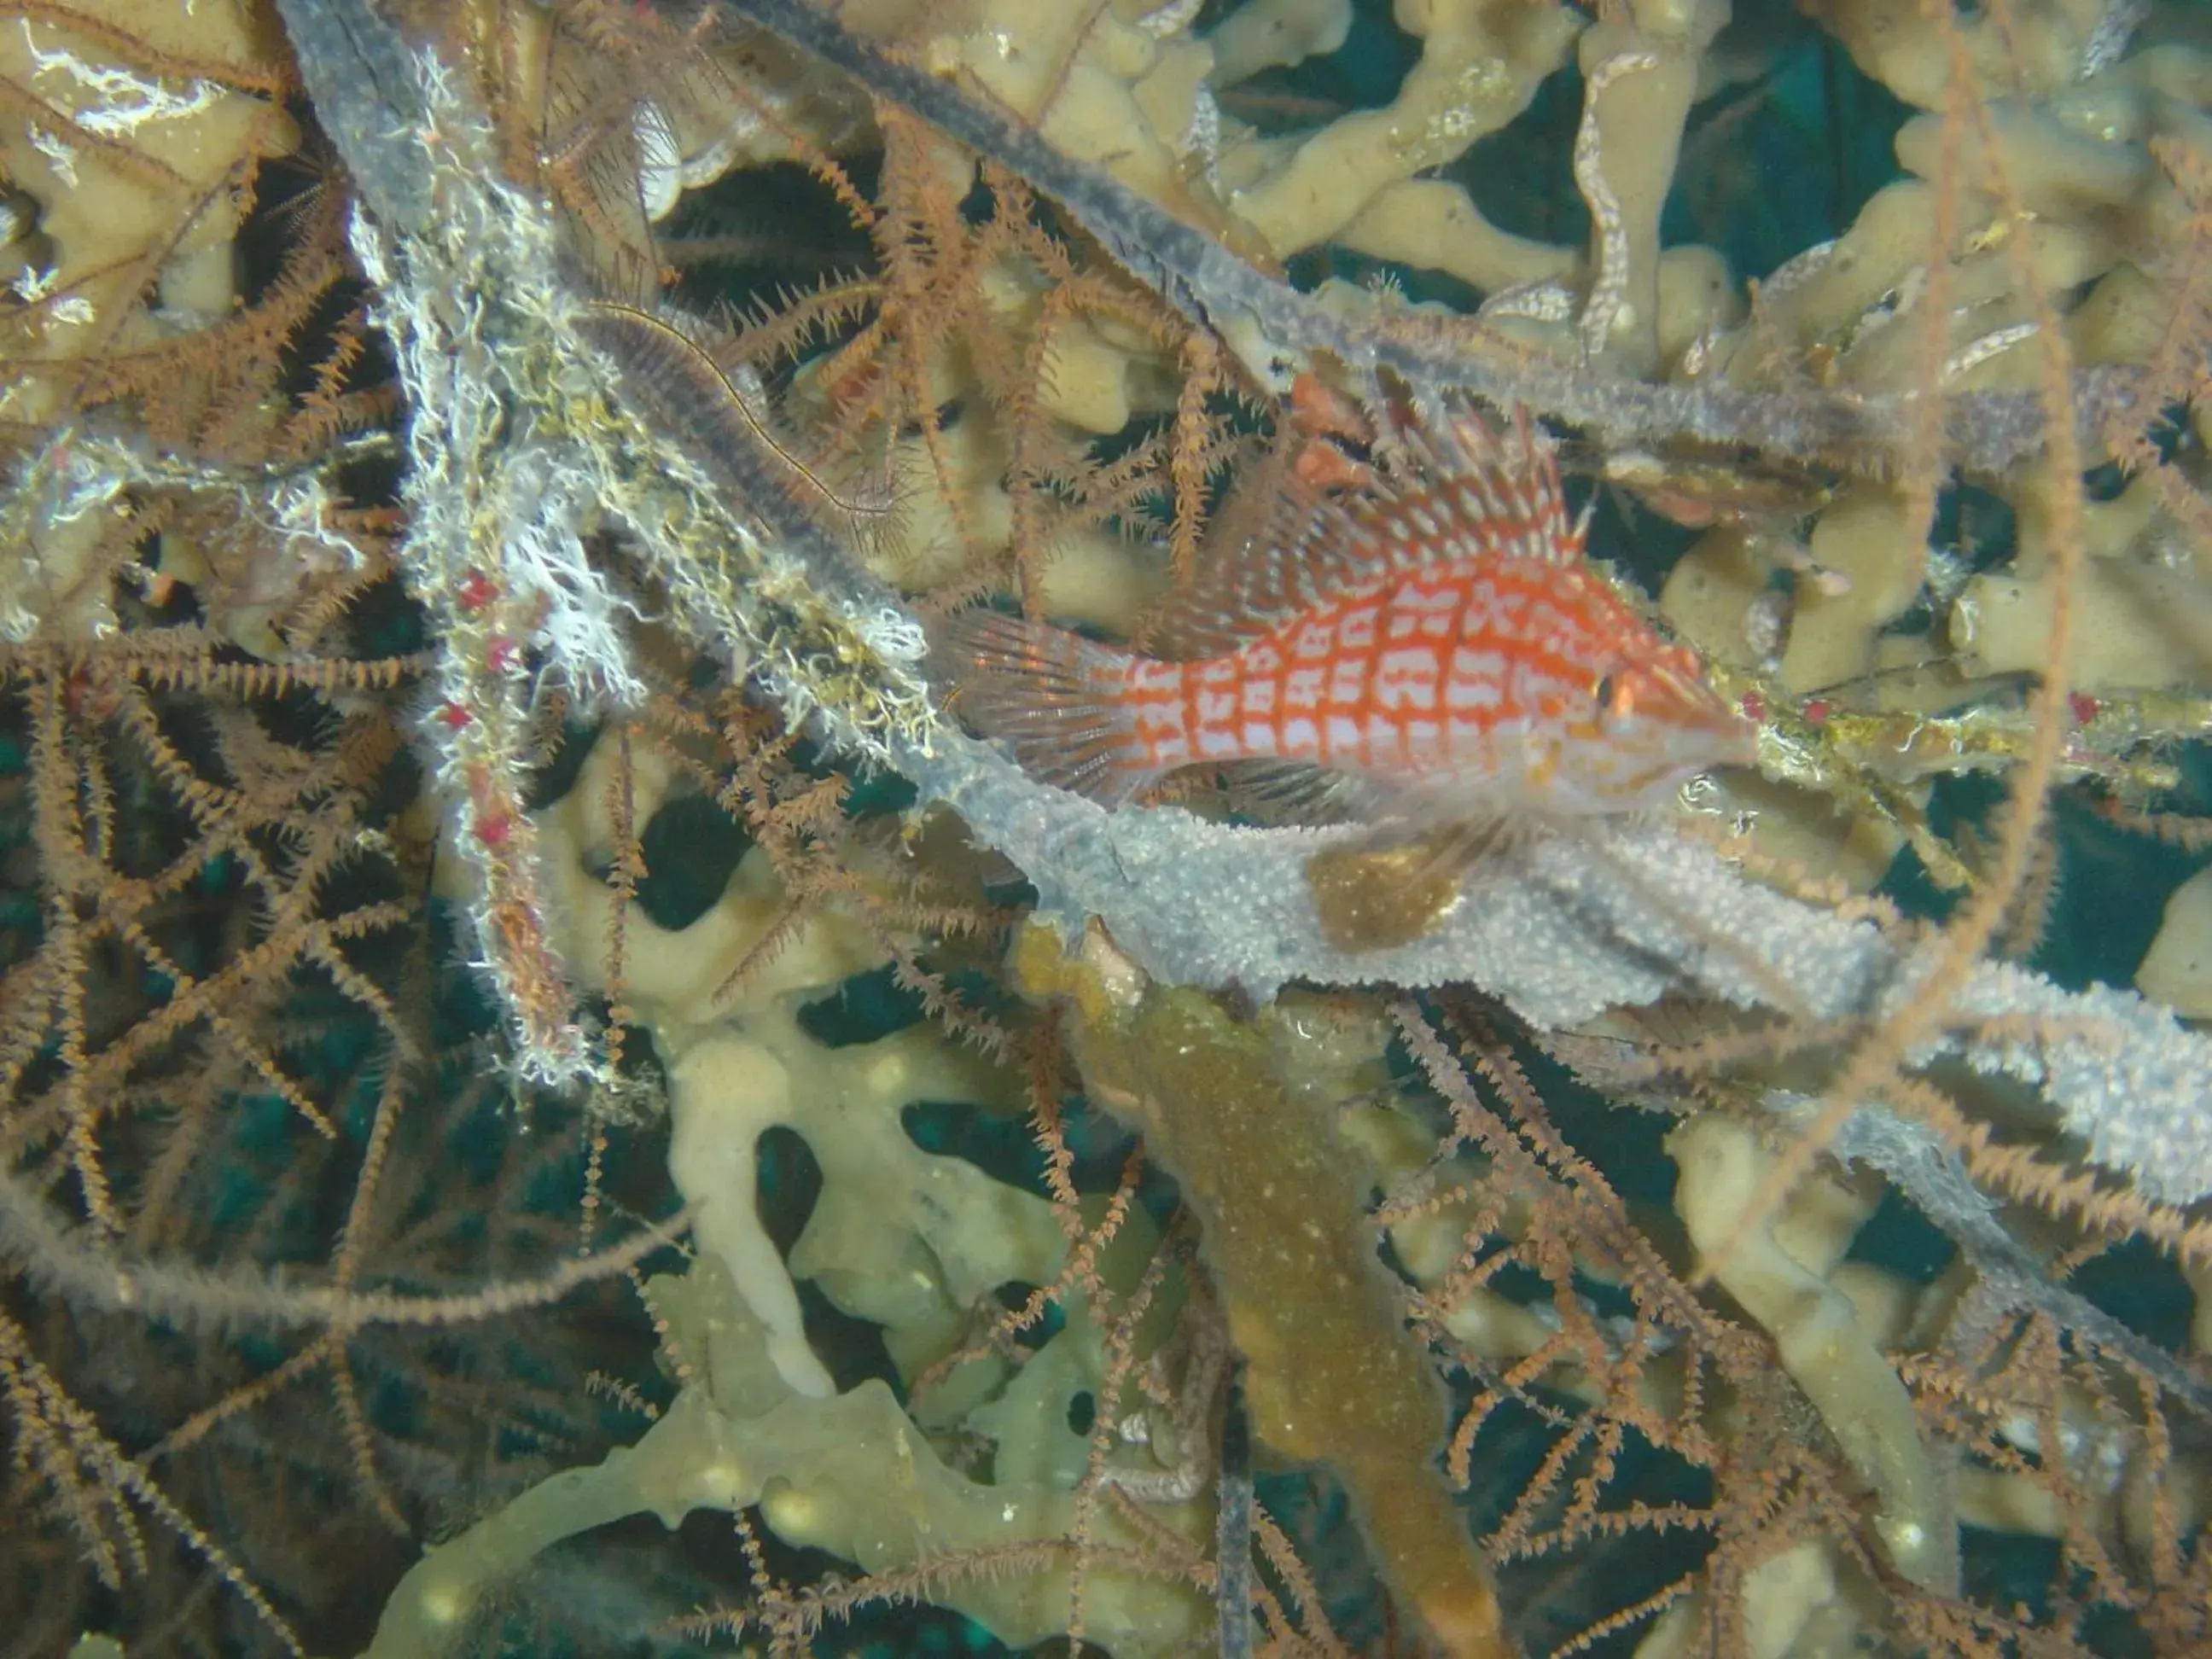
[1431, 647]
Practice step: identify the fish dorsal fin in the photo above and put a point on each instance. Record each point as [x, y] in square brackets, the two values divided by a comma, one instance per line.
[1470, 491]
[1244, 591]
[1462, 491]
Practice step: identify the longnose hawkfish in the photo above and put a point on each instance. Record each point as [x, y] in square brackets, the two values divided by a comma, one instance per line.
[1427, 650]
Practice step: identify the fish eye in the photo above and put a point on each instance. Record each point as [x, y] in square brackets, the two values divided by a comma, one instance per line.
[1603, 692]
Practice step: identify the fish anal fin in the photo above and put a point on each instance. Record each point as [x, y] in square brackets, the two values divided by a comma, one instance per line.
[1286, 792]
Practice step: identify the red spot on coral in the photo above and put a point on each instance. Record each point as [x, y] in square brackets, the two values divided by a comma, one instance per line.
[494, 829]
[1753, 706]
[451, 716]
[1815, 711]
[474, 590]
[499, 655]
[2085, 706]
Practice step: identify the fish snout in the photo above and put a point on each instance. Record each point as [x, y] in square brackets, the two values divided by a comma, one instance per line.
[1697, 719]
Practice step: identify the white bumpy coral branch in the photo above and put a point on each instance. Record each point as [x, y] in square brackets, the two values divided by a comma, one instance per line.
[515, 456]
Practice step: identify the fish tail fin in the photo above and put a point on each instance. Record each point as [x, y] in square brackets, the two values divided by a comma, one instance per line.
[1060, 702]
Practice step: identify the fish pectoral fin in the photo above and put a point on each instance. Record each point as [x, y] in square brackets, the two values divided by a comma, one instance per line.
[1398, 880]
[1426, 846]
